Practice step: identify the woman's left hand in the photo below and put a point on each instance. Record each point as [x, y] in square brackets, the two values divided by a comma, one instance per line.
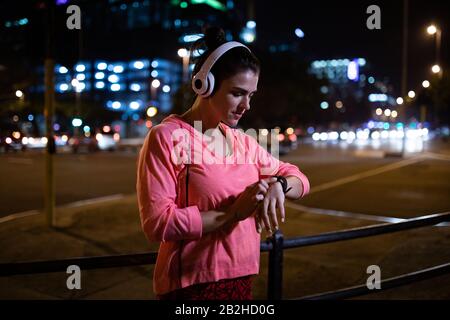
[267, 210]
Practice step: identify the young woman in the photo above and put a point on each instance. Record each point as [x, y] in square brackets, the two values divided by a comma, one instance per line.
[207, 205]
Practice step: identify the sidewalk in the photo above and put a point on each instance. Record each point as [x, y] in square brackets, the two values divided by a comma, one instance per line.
[114, 228]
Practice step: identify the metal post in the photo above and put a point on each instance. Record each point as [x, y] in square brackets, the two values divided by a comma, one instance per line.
[186, 68]
[49, 112]
[404, 71]
[275, 281]
[438, 51]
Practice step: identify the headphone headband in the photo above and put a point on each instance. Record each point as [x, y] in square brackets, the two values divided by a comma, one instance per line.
[203, 81]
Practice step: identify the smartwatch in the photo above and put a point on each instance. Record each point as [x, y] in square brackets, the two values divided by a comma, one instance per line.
[284, 183]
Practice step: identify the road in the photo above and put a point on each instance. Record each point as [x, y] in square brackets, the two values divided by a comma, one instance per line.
[392, 187]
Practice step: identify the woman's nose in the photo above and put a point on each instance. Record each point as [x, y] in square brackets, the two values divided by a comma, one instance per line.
[246, 103]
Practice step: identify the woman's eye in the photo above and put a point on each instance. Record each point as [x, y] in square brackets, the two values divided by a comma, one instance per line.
[237, 94]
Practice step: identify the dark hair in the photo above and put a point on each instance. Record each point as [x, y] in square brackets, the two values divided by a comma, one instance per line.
[231, 62]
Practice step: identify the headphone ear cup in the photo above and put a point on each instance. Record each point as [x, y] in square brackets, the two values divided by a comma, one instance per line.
[210, 85]
[198, 84]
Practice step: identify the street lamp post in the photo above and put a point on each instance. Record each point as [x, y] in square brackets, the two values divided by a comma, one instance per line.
[433, 30]
[184, 54]
[155, 85]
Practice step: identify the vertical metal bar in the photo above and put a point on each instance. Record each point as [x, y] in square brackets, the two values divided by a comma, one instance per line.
[49, 195]
[275, 281]
[404, 83]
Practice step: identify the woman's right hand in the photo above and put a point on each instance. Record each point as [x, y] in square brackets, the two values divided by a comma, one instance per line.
[248, 200]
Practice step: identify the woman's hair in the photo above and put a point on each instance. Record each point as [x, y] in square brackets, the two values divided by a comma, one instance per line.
[231, 62]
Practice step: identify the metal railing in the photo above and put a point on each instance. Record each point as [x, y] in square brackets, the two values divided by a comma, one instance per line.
[274, 245]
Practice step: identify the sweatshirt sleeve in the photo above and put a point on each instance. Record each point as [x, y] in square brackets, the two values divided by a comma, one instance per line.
[161, 218]
[269, 166]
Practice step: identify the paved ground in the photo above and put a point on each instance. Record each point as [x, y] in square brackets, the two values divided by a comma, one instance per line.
[376, 188]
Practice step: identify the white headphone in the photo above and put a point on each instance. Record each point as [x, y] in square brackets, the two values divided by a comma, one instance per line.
[203, 81]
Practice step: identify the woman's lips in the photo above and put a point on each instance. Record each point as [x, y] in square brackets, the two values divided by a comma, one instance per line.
[237, 115]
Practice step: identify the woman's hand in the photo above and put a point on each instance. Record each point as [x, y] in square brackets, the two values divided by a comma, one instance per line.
[267, 210]
[248, 200]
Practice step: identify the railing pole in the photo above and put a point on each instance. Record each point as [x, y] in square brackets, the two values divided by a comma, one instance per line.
[275, 281]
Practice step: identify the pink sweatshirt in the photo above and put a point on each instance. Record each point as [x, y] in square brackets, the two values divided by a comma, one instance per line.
[186, 256]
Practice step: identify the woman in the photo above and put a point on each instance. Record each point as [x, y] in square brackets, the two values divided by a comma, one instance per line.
[207, 206]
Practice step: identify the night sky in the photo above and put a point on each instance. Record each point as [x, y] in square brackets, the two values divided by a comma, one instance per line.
[337, 29]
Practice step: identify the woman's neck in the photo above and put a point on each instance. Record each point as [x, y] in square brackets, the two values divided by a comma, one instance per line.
[198, 112]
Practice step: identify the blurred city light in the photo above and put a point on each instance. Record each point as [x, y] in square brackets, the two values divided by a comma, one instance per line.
[156, 83]
[152, 111]
[436, 68]
[138, 65]
[102, 66]
[166, 88]
[80, 86]
[249, 37]
[134, 105]
[394, 114]
[99, 75]
[411, 94]
[113, 78]
[399, 100]
[387, 112]
[299, 33]
[353, 70]
[192, 37]
[19, 94]
[378, 97]
[135, 87]
[343, 135]
[432, 29]
[118, 69]
[115, 87]
[63, 70]
[251, 24]
[181, 53]
[379, 111]
[80, 67]
[425, 83]
[100, 85]
[74, 83]
[324, 105]
[76, 122]
[339, 104]
[333, 135]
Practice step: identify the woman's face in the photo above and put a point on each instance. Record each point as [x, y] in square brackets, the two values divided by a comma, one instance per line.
[232, 99]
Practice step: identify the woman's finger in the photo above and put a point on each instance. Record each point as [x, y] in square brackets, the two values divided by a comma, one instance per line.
[264, 215]
[273, 214]
[280, 205]
[264, 183]
[262, 188]
[258, 223]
